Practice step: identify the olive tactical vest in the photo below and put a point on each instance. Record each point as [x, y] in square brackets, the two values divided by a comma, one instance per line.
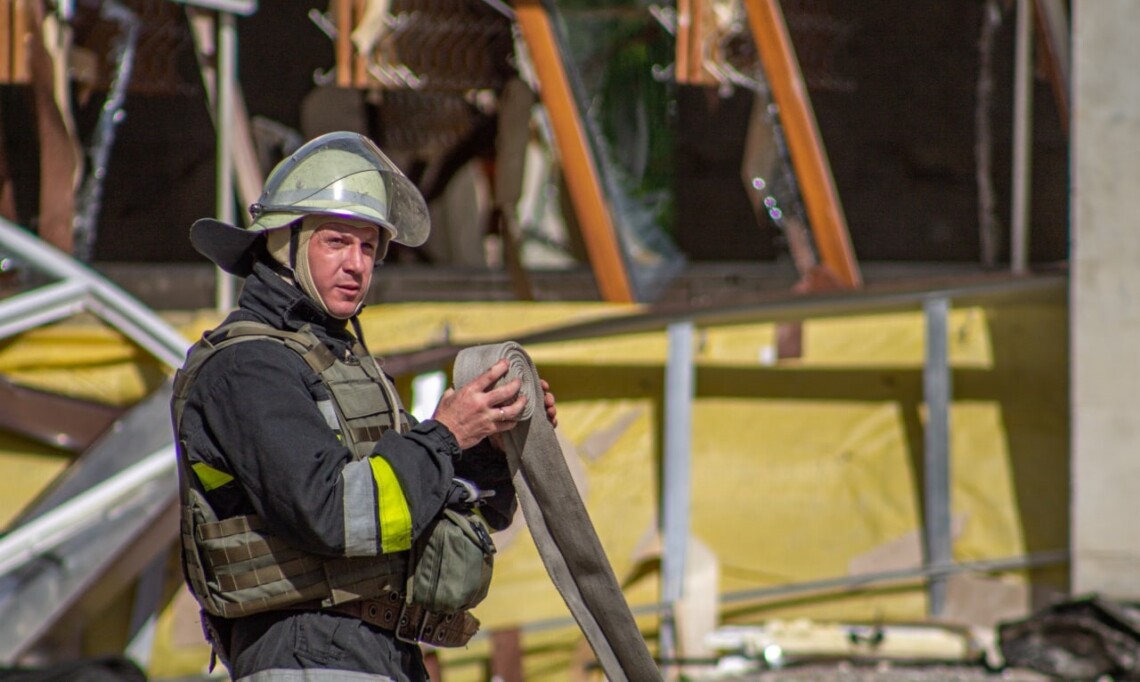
[235, 567]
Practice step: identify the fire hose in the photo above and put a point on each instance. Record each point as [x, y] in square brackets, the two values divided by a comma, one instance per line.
[558, 522]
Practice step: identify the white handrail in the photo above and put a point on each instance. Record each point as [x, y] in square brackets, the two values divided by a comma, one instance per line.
[42, 535]
[109, 302]
[40, 306]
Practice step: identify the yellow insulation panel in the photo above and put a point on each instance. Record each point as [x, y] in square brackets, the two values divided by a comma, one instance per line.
[81, 359]
[26, 468]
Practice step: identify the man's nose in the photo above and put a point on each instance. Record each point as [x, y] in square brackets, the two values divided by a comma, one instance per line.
[355, 261]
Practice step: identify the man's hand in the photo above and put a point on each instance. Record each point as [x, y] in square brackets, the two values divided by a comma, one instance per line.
[548, 402]
[551, 415]
[479, 410]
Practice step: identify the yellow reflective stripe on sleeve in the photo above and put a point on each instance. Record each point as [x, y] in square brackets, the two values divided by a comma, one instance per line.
[210, 477]
[393, 513]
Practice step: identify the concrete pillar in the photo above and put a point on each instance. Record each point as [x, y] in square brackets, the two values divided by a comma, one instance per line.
[1105, 298]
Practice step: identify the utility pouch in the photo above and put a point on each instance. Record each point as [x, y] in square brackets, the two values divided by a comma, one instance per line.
[451, 563]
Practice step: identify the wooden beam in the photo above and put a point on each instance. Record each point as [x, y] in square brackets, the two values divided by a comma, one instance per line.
[507, 655]
[359, 61]
[7, 184]
[52, 419]
[578, 164]
[8, 37]
[684, 36]
[694, 31]
[344, 51]
[20, 68]
[59, 157]
[813, 171]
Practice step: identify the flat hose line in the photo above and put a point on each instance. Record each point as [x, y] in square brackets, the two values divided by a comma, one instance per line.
[559, 523]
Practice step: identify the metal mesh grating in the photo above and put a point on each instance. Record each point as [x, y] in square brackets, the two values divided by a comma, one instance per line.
[443, 45]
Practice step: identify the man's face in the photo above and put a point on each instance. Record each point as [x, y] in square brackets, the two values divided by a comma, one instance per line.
[341, 257]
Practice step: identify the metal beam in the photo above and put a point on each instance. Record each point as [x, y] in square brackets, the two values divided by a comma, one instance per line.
[676, 497]
[35, 308]
[863, 581]
[223, 123]
[936, 387]
[45, 534]
[1022, 180]
[48, 565]
[777, 307]
[104, 299]
[847, 583]
[107, 515]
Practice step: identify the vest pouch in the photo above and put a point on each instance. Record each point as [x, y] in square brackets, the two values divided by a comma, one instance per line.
[363, 405]
[452, 562]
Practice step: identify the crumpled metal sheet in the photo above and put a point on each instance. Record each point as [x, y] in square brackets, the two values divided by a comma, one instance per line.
[1081, 639]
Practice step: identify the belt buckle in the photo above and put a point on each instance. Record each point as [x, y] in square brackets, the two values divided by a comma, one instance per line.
[406, 622]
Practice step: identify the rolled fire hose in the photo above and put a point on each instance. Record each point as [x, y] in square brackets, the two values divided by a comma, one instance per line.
[559, 524]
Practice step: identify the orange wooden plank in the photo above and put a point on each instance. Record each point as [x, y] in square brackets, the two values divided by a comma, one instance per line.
[359, 61]
[344, 49]
[582, 181]
[684, 35]
[813, 171]
[694, 32]
[9, 39]
[20, 72]
[701, 29]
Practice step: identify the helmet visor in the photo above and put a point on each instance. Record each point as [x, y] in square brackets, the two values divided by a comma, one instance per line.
[346, 174]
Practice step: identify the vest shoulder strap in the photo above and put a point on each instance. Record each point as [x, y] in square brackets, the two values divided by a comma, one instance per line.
[304, 342]
[306, 345]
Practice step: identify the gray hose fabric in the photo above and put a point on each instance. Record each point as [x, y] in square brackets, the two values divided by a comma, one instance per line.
[560, 525]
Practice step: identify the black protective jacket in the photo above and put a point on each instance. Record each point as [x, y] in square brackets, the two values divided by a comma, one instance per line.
[252, 413]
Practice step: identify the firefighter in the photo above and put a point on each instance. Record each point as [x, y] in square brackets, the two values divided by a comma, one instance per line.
[307, 490]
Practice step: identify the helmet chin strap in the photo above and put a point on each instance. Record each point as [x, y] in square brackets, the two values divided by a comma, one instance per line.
[303, 234]
[289, 246]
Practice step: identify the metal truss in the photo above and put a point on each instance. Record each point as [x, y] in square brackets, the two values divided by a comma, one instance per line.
[110, 518]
